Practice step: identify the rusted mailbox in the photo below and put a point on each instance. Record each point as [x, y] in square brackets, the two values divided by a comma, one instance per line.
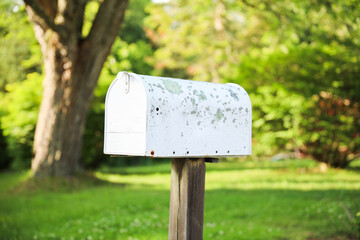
[167, 117]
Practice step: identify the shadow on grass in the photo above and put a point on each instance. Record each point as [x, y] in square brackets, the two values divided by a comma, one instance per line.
[223, 165]
[354, 169]
[298, 165]
[53, 184]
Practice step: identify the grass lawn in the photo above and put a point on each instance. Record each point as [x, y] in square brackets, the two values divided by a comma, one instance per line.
[243, 200]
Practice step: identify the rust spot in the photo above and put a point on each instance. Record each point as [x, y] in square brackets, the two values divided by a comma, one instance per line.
[152, 152]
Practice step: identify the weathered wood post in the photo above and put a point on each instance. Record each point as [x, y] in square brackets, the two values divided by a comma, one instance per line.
[187, 121]
[187, 198]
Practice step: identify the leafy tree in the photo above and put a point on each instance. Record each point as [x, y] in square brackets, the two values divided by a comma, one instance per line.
[73, 61]
[21, 107]
[196, 38]
[19, 56]
[25, 96]
[316, 56]
[16, 43]
[285, 53]
[276, 130]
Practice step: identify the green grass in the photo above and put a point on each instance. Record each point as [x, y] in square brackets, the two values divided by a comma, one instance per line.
[243, 200]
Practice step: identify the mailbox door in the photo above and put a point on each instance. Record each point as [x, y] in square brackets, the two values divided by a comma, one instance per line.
[125, 117]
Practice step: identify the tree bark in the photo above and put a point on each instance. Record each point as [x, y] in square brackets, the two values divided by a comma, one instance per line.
[72, 66]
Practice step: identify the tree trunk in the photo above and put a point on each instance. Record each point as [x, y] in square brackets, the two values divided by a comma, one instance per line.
[72, 67]
[62, 117]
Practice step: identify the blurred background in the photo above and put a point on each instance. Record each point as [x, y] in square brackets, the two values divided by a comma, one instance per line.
[298, 60]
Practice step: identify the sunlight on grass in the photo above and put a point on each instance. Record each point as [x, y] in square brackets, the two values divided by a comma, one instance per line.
[243, 200]
[267, 178]
[270, 179]
[156, 181]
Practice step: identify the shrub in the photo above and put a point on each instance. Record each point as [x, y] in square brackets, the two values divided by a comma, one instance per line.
[330, 130]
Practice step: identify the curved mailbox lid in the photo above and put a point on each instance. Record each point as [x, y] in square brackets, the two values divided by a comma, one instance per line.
[167, 117]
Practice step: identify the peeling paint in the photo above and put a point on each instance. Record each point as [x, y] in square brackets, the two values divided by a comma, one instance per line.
[233, 94]
[219, 114]
[202, 96]
[159, 86]
[172, 86]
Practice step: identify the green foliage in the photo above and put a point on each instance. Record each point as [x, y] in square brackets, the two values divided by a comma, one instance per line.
[20, 67]
[275, 130]
[16, 39]
[317, 58]
[20, 84]
[196, 39]
[132, 30]
[299, 60]
[244, 200]
[21, 106]
[283, 54]
[331, 130]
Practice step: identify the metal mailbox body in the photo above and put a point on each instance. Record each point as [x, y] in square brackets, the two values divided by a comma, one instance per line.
[167, 117]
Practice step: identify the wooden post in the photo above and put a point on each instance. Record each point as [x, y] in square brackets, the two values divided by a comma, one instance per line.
[187, 199]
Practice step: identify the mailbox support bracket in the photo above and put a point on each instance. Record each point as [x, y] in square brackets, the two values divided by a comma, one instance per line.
[187, 199]
[211, 160]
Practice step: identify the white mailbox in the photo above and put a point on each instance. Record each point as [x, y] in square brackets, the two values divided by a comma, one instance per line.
[167, 117]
